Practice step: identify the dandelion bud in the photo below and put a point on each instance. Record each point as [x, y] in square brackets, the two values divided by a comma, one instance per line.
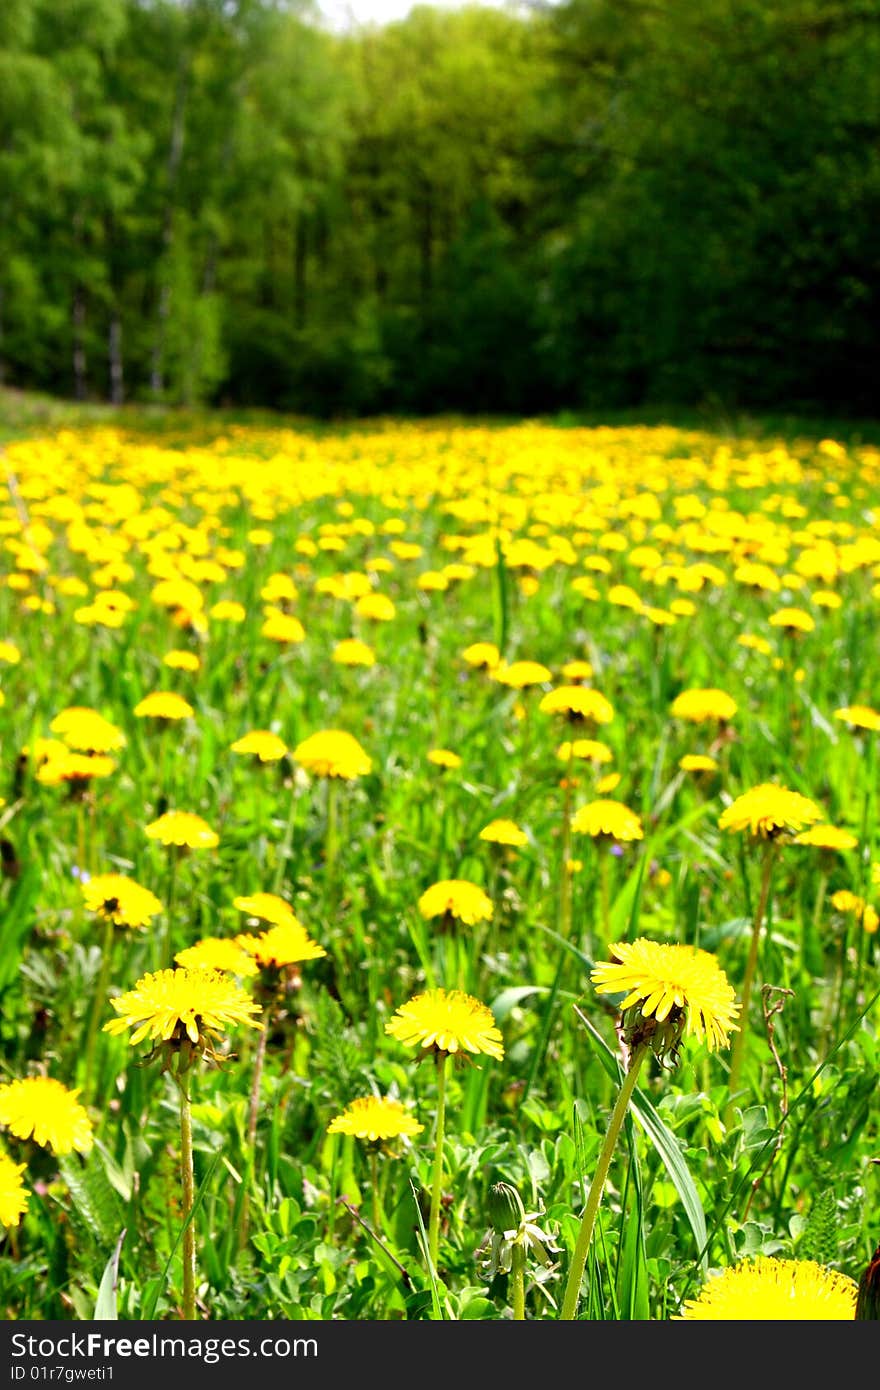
[506, 1211]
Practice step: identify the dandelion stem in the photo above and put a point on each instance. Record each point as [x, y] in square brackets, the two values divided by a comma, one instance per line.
[169, 907]
[738, 1050]
[594, 1197]
[98, 1004]
[330, 837]
[253, 1111]
[187, 1179]
[517, 1282]
[436, 1185]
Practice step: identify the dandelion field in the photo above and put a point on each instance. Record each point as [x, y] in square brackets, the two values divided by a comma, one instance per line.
[404, 824]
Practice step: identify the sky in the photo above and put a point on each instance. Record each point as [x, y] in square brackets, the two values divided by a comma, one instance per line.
[346, 14]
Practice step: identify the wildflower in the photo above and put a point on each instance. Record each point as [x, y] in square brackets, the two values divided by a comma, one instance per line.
[218, 953]
[580, 704]
[267, 906]
[13, 1197]
[86, 730]
[458, 898]
[680, 989]
[9, 653]
[170, 1006]
[449, 1022]
[860, 716]
[352, 652]
[333, 753]
[792, 620]
[699, 706]
[285, 943]
[766, 1289]
[587, 749]
[183, 828]
[698, 762]
[263, 744]
[375, 1118]
[181, 661]
[77, 769]
[827, 837]
[504, 832]
[845, 901]
[769, 811]
[163, 704]
[226, 610]
[120, 900]
[519, 674]
[575, 671]
[608, 783]
[511, 1229]
[377, 607]
[283, 628]
[607, 818]
[482, 655]
[44, 1110]
[444, 757]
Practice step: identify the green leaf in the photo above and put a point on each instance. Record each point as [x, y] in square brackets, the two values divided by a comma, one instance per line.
[105, 1308]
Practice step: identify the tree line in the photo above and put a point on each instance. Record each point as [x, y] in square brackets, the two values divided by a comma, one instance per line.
[592, 204]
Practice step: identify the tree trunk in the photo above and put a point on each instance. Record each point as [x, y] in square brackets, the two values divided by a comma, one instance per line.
[163, 306]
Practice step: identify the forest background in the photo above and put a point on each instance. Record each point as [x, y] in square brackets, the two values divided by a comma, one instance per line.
[584, 206]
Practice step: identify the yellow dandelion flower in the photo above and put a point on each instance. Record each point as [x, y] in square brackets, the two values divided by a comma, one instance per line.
[74, 768]
[444, 757]
[263, 744]
[167, 1005]
[218, 953]
[352, 652]
[13, 1196]
[163, 704]
[768, 810]
[699, 706]
[181, 661]
[754, 643]
[375, 1118]
[458, 898]
[9, 653]
[606, 817]
[450, 1021]
[120, 900]
[588, 750]
[376, 607]
[226, 610]
[608, 783]
[698, 762]
[668, 981]
[44, 1110]
[579, 703]
[482, 655]
[183, 828]
[766, 1289]
[504, 832]
[286, 943]
[267, 906]
[519, 674]
[792, 620]
[577, 670]
[283, 628]
[827, 837]
[333, 753]
[859, 716]
[86, 730]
